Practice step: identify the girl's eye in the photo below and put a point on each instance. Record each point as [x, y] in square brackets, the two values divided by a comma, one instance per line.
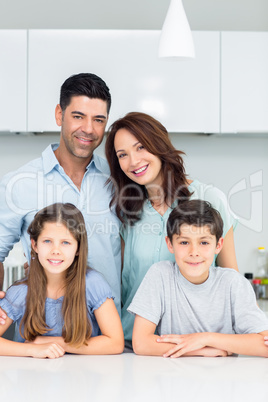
[46, 241]
[65, 242]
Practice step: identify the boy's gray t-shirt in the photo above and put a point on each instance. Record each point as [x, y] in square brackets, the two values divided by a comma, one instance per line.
[224, 303]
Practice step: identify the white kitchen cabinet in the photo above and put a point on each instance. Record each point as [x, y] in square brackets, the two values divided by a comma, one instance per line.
[244, 82]
[183, 95]
[13, 80]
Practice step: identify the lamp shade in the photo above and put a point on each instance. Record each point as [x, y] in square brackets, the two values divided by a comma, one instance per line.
[176, 38]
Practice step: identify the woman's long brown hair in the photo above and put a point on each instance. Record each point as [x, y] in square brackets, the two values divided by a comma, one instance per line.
[128, 196]
[77, 327]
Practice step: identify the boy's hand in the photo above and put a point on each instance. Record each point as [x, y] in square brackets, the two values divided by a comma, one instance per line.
[266, 340]
[184, 343]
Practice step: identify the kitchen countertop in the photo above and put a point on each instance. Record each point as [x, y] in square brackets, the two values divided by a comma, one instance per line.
[128, 378]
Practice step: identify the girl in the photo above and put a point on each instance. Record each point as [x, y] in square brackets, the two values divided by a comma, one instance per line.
[62, 306]
[149, 181]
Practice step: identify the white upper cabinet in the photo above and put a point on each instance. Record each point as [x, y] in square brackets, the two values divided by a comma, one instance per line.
[13, 80]
[183, 95]
[244, 82]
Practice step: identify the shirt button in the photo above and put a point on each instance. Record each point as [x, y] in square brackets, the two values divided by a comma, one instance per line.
[160, 233]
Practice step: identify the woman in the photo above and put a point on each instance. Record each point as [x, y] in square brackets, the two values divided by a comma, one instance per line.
[149, 180]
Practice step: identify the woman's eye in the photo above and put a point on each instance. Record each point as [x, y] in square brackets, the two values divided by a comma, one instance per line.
[141, 147]
[121, 156]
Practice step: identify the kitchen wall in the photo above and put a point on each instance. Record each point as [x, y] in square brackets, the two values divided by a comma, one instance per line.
[236, 164]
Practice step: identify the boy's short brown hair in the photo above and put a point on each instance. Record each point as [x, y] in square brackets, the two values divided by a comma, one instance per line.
[196, 213]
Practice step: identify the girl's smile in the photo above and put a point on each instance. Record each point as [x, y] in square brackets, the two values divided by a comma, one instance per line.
[56, 248]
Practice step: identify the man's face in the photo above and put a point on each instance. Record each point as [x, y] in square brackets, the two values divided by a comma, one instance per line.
[82, 125]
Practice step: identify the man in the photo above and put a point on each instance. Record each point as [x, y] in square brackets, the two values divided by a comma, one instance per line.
[69, 172]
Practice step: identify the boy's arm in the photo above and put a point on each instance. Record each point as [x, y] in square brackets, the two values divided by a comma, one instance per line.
[244, 344]
[145, 342]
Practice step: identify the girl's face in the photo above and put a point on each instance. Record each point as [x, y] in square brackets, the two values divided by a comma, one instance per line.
[136, 162]
[56, 248]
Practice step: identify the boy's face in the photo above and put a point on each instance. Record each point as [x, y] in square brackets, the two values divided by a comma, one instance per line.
[194, 249]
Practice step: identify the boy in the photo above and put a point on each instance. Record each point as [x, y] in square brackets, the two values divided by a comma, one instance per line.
[195, 308]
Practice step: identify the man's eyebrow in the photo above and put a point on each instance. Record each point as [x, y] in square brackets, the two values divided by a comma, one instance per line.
[77, 112]
[98, 116]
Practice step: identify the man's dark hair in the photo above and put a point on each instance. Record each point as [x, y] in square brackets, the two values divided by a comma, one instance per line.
[84, 84]
[196, 213]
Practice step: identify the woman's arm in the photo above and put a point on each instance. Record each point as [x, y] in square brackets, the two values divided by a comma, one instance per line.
[122, 253]
[145, 342]
[9, 348]
[244, 344]
[111, 340]
[227, 257]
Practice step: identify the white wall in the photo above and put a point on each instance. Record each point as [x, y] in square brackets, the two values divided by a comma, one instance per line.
[222, 15]
[221, 161]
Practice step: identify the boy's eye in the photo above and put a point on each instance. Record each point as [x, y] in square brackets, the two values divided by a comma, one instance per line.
[184, 243]
[46, 241]
[204, 243]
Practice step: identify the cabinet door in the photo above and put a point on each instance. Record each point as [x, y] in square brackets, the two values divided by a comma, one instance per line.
[244, 83]
[13, 79]
[183, 95]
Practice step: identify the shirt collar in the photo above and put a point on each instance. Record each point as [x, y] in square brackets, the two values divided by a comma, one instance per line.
[50, 161]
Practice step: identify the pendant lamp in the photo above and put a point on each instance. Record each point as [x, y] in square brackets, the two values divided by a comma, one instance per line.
[176, 38]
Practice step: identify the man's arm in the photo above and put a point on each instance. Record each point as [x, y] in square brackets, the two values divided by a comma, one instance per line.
[1, 275]
[243, 344]
[145, 342]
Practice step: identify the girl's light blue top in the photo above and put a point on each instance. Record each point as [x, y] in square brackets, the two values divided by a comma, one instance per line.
[97, 291]
[145, 243]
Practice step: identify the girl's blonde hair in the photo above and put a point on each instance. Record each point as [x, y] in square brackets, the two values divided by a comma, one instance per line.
[77, 327]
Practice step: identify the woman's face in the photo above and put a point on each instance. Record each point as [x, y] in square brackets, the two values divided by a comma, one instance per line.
[136, 162]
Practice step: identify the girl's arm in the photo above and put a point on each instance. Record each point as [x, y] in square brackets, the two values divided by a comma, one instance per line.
[227, 257]
[111, 340]
[9, 348]
[145, 342]
[244, 344]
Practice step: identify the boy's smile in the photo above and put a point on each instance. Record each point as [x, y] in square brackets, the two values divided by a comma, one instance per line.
[194, 249]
